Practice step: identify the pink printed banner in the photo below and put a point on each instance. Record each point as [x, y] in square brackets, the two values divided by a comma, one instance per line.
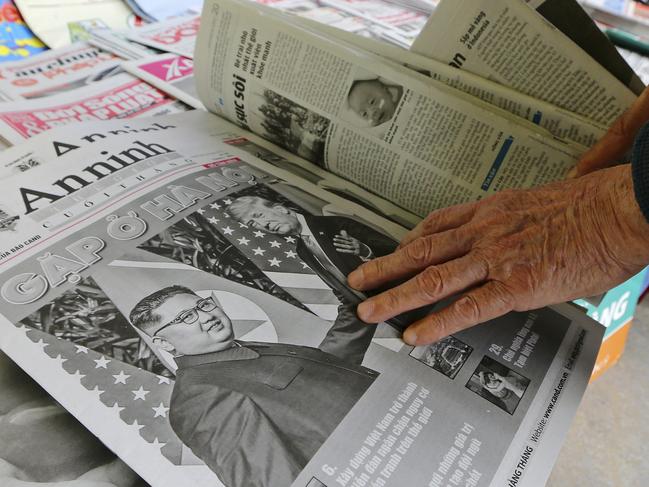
[119, 97]
[171, 69]
[178, 33]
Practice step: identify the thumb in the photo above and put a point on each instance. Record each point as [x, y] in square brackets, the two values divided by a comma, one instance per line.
[617, 141]
[343, 233]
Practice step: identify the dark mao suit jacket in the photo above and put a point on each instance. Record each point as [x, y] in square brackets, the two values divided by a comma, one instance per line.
[256, 414]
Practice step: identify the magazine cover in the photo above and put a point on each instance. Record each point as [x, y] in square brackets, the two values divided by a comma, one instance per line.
[17, 41]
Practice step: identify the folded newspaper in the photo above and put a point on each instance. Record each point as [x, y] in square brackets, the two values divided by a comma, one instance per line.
[178, 283]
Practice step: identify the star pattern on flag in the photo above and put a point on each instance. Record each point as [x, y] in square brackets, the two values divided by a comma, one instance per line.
[140, 394]
[138, 397]
[121, 378]
[101, 363]
[160, 411]
[268, 251]
[276, 256]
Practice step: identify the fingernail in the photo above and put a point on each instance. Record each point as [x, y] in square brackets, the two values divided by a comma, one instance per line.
[364, 311]
[572, 173]
[355, 278]
[410, 336]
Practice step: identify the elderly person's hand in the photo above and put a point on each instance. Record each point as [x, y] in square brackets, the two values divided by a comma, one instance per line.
[614, 146]
[515, 250]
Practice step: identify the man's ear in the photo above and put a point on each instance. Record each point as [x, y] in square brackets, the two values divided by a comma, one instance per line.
[282, 209]
[163, 344]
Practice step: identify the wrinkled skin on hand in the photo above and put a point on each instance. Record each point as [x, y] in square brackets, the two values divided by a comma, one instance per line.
[516, 250]
[614, 146]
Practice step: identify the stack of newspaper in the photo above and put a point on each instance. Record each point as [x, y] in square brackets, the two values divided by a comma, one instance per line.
[176, 278]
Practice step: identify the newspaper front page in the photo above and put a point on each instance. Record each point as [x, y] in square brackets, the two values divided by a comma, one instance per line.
[121, 96]
[56, 71]
[21, 158]
[478, 35]
[176, 35]
[424, 145]
[189, 307]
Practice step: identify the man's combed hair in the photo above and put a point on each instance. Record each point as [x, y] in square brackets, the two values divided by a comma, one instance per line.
[143, 315]
[241, 206]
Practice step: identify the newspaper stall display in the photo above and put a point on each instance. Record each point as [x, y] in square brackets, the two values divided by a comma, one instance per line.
[176, 35]
[122, 96]
[189, 306]
[55, 71]
[53, 20]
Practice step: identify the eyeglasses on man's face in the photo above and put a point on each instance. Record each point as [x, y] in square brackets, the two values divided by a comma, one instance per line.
[189, 316]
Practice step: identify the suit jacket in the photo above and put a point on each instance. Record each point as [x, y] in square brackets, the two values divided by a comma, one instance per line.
[256, 414]
[324, 229]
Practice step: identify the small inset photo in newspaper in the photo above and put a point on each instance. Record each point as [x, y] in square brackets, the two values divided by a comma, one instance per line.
[498, 384]
[446, 356]
[371, 102]
[292, 126]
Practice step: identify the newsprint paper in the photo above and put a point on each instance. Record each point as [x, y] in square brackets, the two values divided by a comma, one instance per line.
[187, 303]
[62, 453]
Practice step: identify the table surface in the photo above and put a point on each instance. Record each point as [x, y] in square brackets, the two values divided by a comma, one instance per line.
[608, 442]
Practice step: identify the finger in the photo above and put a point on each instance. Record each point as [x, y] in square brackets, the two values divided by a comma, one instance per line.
[613, 146]
[344, 234]
[344, 246]
[343, 241]
[484, 303]
[345, 251]
[407, 261]
[440, 221]
[429, 286]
